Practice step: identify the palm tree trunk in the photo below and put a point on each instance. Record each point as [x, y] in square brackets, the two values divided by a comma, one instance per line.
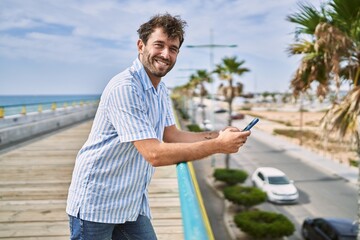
[202, 102]
[357, 139]
[193, 111]
[357, 75]
[227, 161]
[230, 99]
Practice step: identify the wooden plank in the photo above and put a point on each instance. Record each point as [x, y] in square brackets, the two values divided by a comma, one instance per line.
[47, 238]
[34, 181]
[34, 229]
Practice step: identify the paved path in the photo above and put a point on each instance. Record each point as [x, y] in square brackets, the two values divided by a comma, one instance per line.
[34, 181]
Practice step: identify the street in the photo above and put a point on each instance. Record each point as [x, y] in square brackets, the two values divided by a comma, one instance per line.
[322, 194]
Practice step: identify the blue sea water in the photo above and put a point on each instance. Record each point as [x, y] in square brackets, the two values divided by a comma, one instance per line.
[9, 100]
[12, 104]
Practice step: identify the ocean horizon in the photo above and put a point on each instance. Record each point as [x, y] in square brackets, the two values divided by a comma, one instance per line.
[13, 104]
[11, 100]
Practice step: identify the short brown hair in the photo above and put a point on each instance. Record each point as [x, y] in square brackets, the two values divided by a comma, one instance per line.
[173, 26]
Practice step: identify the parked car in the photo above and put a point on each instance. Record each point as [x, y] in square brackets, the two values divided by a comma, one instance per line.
[206, 125]
[235, 116]
[329, 228]
[220, 110]
[201, 105]
[275, 183]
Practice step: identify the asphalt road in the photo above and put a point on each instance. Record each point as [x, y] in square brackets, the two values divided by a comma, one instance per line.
[321, 192]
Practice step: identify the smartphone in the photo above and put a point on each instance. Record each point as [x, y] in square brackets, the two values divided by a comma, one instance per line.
[251, 124]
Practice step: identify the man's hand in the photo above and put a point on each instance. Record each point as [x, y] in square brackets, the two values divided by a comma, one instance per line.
[231, 139]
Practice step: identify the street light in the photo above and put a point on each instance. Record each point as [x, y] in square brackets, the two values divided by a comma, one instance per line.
[211, 46]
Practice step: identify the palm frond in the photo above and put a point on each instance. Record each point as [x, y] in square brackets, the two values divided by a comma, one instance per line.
[342, 118]
[308, 18]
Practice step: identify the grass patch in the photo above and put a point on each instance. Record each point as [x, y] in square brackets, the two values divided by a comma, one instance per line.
[297, 134]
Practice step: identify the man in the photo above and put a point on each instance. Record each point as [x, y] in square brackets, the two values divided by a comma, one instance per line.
[133, 132]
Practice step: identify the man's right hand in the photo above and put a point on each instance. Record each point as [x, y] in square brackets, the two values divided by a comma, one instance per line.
[231, 139]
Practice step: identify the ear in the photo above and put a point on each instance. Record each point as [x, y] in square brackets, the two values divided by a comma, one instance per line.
[140, 46]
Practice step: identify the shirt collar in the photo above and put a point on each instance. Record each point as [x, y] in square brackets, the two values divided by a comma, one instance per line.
[144, 78]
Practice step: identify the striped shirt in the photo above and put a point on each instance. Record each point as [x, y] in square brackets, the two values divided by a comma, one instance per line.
[110, 177]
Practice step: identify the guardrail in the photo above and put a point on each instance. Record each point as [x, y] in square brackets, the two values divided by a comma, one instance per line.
[195, 221]
[24, 109]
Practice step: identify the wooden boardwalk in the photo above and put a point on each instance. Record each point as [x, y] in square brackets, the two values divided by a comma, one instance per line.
[34, 181]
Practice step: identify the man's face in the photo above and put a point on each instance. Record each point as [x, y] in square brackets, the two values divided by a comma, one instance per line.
[159, 54]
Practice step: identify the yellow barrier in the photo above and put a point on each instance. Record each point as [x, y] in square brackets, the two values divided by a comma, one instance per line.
[53, 106]
[2, 112]
[23, 110]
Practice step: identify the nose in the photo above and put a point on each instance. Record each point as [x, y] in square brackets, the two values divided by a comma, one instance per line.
[165, 53]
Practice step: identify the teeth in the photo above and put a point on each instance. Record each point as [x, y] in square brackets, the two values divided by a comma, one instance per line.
[161, 62]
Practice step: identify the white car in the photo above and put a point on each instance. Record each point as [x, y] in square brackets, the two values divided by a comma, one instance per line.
[278, 187]
[206, 125]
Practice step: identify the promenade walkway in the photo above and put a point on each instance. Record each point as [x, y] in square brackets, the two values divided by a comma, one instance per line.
[34, 181]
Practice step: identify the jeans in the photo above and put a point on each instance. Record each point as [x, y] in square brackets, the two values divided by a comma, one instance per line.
[141, 229]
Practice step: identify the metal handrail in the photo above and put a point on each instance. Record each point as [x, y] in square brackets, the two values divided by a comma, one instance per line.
[195, 220]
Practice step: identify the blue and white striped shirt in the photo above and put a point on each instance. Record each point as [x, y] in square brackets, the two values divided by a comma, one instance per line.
[110, 178]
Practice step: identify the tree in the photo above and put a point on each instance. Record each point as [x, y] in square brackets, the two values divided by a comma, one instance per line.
[332, 56]
[198, 79]
[227, 70]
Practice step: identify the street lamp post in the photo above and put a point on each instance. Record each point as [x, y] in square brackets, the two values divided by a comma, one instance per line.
[211, 47]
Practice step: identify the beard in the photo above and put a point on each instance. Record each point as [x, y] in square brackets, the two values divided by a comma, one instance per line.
[156, 66]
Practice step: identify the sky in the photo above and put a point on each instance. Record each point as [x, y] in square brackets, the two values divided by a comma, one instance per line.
[50, 47]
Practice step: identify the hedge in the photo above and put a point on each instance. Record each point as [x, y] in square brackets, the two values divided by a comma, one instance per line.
[264, 225]
[230, 176]
[244, 196]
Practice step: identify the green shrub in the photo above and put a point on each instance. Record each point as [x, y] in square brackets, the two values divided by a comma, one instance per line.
[194, 128]
[353, 162]
[264, 225]
[230, 176]
[246, 108]
[244, 196]
[184, 115]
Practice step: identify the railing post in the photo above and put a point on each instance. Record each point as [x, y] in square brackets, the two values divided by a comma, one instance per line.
[23, 110]
[53, 106]
[2, 112]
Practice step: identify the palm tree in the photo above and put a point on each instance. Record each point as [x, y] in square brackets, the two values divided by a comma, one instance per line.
[227, 70]
[335, 44]
[312, 65]
[198, 79]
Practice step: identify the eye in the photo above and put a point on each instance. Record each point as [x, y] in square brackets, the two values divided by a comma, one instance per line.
[158, 45]
[174, 50]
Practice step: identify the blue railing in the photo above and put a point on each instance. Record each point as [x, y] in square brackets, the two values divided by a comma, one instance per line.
[195, 221]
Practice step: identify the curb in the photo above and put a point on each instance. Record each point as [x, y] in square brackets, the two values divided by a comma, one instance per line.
[228, 216]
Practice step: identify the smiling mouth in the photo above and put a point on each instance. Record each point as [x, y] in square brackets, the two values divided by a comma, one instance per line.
[162, 62]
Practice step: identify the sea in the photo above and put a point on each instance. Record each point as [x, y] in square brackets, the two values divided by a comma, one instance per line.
[13, 104]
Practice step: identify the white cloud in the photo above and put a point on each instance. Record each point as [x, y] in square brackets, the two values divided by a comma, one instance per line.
[103, 33]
